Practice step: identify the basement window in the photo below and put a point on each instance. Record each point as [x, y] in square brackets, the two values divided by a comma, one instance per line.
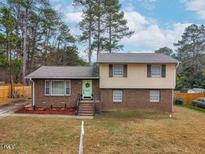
[57, 88]
[154, 96]
[117, 96]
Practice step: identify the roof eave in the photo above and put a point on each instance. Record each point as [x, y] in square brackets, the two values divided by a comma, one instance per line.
[30, 77]
[137, 62]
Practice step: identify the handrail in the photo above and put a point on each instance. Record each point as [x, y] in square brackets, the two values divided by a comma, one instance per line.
[78, 102]
[94, 105]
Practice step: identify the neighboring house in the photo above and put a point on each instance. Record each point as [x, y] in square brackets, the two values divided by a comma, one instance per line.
[119, 80]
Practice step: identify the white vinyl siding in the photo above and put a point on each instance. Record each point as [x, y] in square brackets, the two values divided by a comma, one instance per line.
[118, 71]
[155, 70]
[117, 95]
[57, 87]
[154, 96]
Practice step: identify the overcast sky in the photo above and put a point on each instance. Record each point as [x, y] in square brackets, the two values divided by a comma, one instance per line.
[156, 23]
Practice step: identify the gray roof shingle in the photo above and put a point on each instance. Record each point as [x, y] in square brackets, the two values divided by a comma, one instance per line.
[135, 58]
[64, 72]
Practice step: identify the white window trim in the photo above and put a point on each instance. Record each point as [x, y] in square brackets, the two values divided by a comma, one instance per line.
[154, 101]
[117, 101]
[114, 75]
[156, 76]
[51, 81]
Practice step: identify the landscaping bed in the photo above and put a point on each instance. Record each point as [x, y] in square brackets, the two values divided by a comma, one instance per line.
[54, 110]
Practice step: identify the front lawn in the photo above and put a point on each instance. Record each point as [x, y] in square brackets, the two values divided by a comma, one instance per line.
[190, 106]
[114, 132]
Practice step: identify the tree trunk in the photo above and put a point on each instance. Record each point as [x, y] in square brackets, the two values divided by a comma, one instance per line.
[33, 48]
[98, 46]
[7, 47]
[10, 74]
[99, 29]
[89, 44]
[46, 46]
[110, 36]
[25, 47]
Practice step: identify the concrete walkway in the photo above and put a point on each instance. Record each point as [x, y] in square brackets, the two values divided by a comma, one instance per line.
[9, 109]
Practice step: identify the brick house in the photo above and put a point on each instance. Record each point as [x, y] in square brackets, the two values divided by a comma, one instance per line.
[119, 80]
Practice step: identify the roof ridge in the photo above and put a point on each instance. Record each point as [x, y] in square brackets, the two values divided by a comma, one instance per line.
[135, 58]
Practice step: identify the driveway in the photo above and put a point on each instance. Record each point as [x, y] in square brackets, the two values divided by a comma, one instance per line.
[6, 110]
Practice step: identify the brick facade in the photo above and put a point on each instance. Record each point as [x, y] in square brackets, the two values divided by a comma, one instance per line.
[132, 98]
[76, 88]
[137, 99]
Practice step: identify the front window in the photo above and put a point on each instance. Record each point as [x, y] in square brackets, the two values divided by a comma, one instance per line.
[155, 70]
[118, 70]
[57, 87]
[154, 95]
[117, 96]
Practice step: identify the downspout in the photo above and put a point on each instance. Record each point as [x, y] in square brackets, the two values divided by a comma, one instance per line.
[33, 92]
[175, 85]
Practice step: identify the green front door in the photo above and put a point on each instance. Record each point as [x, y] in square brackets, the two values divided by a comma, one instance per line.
[87, 88]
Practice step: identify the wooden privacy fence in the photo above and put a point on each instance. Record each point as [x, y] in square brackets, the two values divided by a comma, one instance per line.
[188, 97]
[22, 91]
[19, 91]
[4, 94]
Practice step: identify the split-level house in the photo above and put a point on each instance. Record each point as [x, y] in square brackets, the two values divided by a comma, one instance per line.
[118, 81]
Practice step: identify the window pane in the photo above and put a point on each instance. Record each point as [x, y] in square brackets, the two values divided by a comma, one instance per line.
[154, 96]
[118, 70]
[67, 87]
[58, 87]
[155, 70]
[47, 92]
[117, 95]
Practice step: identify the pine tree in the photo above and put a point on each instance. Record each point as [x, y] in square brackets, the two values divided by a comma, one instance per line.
[87, 24]
[191, 54]
[7, 23]
[99, 25]
[103, 25]
[39, 31]
[116, 25]
[165, 50]
[191, 48]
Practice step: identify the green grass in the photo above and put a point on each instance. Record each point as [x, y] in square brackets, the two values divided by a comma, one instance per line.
[190, 106]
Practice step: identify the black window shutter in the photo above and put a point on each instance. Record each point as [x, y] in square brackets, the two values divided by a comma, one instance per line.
[163, 73]
[124, 70]
[110, 70]
[148, 70]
